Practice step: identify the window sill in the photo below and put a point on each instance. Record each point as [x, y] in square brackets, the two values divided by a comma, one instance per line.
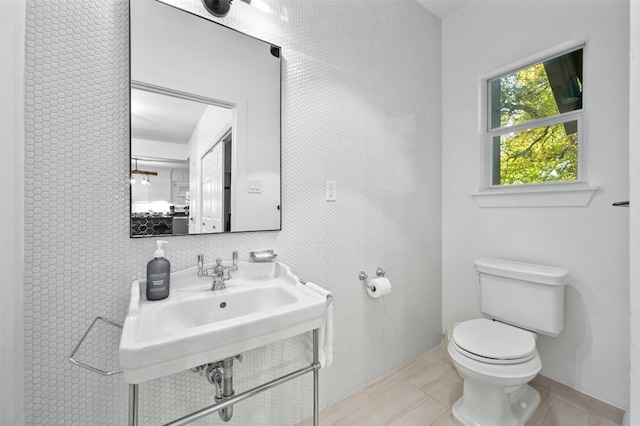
[562, 196]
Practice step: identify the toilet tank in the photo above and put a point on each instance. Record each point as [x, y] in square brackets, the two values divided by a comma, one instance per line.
[523, 294]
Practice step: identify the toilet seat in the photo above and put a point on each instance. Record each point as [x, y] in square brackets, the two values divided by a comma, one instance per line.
[493, 342]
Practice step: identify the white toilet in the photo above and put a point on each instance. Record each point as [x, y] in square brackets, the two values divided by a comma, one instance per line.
[497, 356]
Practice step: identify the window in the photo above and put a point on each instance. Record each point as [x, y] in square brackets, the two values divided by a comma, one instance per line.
[534, 124]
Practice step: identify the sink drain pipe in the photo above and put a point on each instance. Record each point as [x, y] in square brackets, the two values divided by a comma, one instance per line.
[221, 376]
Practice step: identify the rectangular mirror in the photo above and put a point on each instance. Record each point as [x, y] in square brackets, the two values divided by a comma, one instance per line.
[205, 126]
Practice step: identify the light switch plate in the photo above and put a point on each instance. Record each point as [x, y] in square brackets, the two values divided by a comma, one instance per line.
[330, 190]
[255, 187]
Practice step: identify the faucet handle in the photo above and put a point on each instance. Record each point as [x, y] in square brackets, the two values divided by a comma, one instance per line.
[200, 265]
[226, 274]
[234, 263]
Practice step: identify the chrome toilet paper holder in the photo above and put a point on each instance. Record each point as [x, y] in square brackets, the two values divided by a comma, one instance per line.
[365, 278]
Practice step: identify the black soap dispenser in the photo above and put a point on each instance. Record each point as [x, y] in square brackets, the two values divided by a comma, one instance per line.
[158, 274]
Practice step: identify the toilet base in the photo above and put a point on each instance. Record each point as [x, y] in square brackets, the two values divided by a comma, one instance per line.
[492, 406]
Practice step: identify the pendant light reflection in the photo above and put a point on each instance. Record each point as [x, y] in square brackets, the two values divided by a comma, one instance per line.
[145, 175]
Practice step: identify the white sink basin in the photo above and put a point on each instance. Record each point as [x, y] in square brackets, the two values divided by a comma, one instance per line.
[263, 303]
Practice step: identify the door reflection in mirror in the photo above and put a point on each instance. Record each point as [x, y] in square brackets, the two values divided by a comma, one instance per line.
[216, 187]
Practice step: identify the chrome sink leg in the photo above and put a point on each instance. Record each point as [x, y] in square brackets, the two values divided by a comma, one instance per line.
[316, 384]
[133, 405]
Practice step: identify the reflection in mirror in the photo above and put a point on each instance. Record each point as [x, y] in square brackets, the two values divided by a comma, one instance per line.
[167, 129]
[202, 161]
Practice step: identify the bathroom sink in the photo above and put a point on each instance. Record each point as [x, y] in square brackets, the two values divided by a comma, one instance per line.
[204, 309]
[262, 303]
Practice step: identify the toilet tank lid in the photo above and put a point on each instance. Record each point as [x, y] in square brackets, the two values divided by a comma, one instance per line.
[550, 275]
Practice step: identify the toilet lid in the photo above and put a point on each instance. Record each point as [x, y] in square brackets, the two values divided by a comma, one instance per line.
[494, 342]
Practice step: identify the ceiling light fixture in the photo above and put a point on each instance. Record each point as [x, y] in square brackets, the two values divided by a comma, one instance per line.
[219, 8]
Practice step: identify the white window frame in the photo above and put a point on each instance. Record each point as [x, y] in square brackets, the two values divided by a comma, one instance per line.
[561, 193]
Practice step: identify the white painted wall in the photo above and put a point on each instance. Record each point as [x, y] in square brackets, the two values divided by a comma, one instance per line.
[12, 23]
[634, 155]
[145, 148]
[592, 353]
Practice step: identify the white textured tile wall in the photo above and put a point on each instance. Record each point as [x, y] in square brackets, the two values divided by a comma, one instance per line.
[361, 106]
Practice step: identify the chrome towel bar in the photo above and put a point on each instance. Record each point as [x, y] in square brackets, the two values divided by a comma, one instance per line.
[329, 296]
[86, 333]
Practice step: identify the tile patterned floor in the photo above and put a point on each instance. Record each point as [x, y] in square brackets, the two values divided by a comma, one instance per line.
[424, 391]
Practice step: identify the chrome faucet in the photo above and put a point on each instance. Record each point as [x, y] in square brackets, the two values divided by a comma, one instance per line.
[219, 273]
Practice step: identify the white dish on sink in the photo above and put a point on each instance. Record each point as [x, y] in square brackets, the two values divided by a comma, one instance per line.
[262, 303]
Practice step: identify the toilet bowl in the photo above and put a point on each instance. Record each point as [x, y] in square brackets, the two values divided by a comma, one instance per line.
[495, 368]
[496, 356]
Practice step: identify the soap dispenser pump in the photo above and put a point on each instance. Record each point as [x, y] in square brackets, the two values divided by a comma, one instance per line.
[158, 274]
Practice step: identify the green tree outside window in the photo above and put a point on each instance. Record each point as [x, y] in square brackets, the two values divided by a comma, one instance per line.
[527, 148]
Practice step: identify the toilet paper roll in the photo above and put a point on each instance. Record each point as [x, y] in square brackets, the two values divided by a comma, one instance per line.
[381, 287]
